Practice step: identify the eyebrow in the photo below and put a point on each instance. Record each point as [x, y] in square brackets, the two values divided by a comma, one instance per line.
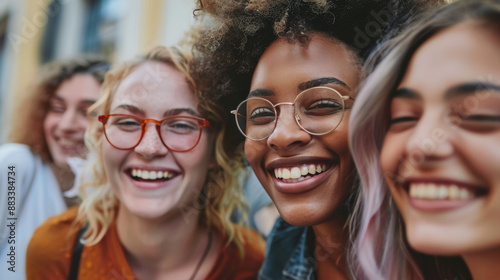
[58, 98]
[456, 91]
[169, 113]
[260, 92]
[302, 86]
[406, 93]
[470, 88]
[178, 111]
[130, 108]
[321, 82]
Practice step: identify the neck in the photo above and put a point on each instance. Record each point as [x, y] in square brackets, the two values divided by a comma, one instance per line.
[154, 247]
[66, 179]
[484, 265]
[330, 250]
[64, 176]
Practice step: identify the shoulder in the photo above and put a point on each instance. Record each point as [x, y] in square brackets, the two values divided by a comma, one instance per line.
[50, 248]
[17, 152]
[20, 158]
[283, 241]
[55, 230]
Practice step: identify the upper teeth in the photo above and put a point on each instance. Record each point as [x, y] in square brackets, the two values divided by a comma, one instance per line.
[298, 172]
[67, 142]
[439, 191]
[151, 175]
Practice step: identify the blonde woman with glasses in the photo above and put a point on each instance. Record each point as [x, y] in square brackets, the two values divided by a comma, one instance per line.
[162, 193]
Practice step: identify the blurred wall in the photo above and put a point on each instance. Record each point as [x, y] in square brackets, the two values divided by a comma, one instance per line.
[33, 32]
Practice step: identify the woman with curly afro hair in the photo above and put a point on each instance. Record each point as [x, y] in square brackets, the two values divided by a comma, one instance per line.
[294, 68]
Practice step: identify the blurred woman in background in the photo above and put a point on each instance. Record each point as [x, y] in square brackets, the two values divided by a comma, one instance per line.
[47, 131]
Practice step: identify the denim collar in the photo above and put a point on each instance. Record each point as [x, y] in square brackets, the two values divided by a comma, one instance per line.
[289, 253]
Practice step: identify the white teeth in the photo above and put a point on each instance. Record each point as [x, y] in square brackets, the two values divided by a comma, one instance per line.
[295, 173]
[312, 169]
[318, 169]
[464, 194]
[286, 173]
[67, 142]
[439, 192]
[151, 175]
[298, 173]
[304, 170]
[443, 192]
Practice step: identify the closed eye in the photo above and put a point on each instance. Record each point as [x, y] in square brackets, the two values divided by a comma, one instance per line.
[403, 120]
[478, 123]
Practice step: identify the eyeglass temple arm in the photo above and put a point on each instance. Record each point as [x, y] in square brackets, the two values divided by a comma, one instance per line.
[234, 112]
[347, 97]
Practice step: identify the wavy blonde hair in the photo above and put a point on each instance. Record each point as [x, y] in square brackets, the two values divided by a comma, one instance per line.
[221, 194]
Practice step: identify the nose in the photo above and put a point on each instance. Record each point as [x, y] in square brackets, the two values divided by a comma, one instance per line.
[151, 145]
[70, 121]
[287, 134]
[431, 140]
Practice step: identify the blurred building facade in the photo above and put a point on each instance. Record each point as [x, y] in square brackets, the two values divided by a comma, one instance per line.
[33, 32]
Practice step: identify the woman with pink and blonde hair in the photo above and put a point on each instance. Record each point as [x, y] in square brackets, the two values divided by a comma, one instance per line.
[425, 131]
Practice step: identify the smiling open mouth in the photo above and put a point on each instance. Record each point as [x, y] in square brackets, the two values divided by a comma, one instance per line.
[150, 175]
[433, 191]
[299, 173]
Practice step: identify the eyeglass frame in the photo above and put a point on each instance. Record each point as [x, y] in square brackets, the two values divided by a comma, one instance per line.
[296, 116]
[201, 122]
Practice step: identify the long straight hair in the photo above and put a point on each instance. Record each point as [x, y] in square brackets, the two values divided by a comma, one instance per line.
[380, 249]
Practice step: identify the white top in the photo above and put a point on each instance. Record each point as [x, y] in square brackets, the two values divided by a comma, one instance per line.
[37, 197]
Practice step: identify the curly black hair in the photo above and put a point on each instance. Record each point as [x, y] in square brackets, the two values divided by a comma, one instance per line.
[237, 32]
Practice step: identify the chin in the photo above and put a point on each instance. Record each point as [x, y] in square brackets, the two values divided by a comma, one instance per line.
[433, 242]
[301, 216]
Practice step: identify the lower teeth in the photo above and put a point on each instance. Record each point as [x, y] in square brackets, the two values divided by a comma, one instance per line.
[295, 180]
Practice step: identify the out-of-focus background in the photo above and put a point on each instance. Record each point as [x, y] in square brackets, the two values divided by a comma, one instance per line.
[33, 32]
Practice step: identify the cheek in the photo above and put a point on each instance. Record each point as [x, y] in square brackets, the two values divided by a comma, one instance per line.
[482, 160]
[49, 123]
[254, 151]
[111, 159]
[391, 155]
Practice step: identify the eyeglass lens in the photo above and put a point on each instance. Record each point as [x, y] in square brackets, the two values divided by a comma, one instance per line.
[317, 110]
[178, 134]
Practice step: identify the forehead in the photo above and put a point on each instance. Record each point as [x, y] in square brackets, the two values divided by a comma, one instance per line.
[295, 63]
[466, 52]
[79, 87]
[156, 83]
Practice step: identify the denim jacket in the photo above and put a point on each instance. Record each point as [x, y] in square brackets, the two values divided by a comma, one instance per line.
[289, 253]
